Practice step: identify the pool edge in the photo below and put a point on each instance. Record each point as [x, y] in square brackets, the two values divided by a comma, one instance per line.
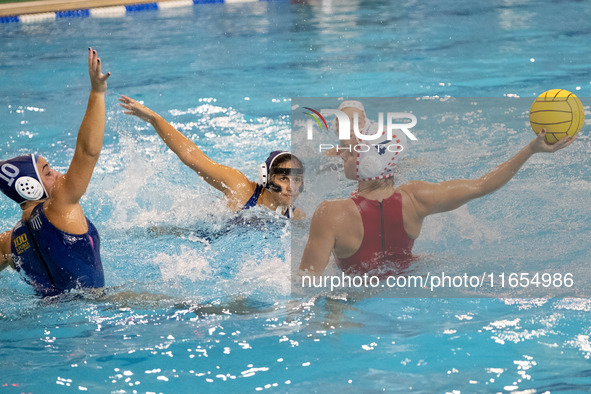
[34, 11]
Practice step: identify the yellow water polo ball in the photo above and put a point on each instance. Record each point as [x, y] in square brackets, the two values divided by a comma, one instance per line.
[559, 112]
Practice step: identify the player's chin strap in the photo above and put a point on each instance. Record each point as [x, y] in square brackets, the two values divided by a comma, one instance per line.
[285, 211]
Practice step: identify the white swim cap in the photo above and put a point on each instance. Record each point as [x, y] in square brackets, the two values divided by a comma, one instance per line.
[377, 158]
[352, 104]
[349, 104]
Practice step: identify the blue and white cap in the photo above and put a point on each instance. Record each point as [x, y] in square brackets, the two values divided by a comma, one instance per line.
[267, 169]
[20, 179]
[377, 158]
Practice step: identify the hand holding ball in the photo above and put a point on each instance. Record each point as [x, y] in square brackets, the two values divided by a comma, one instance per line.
[558, 111]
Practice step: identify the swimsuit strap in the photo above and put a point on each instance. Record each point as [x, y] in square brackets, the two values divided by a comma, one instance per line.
[252, 201]
[289, 211]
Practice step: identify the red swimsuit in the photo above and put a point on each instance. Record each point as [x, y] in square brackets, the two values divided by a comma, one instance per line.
[386, 247]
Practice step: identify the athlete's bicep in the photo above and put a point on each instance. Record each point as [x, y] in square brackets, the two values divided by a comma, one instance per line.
[430, 198]
[69, 188]
[73, 184]
[229, 179]
[321, 241]
[224, 178]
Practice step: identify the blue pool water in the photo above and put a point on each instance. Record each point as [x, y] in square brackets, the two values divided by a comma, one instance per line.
[199, 302]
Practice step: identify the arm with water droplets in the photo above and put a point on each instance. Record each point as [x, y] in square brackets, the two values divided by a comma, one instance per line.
[70, 189]
[429, 198]
[223, 178]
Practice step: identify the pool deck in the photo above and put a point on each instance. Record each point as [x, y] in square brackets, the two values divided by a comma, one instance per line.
[43, 6]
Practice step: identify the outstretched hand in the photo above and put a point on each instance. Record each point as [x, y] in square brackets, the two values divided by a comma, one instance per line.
[98, 80]
[539, 144]
[136, 108]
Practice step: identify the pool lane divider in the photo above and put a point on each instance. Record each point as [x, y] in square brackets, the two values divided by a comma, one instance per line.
[112, 12]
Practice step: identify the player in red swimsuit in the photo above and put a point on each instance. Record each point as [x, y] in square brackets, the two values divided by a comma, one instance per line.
[384, 238]
[375, 230]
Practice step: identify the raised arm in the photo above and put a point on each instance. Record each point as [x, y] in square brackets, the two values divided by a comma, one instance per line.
[70, 188]
[430, 198]
[5, 251]
[223, 178]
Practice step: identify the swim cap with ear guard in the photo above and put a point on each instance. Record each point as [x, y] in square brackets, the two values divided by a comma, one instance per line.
[266, 170]
[20, 179]
[377, 158]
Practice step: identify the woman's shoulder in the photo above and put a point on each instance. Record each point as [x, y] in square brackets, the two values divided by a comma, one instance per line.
[241, 193]
[336, 206]
[298, 214]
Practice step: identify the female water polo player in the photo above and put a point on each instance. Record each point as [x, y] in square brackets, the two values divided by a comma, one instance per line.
[376, 228]
[54, 244]
[280, 176]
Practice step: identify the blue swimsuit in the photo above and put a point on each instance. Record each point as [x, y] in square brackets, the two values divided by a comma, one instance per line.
[55, 261]
[252, 201]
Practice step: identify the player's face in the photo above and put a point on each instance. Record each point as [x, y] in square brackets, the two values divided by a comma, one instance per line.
[290, 184]
[48, 175]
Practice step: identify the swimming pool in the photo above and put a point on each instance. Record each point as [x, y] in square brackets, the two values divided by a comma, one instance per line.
[197, 302]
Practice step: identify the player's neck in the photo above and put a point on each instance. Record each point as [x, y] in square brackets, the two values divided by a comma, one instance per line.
[373, 190]
[28, 207]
